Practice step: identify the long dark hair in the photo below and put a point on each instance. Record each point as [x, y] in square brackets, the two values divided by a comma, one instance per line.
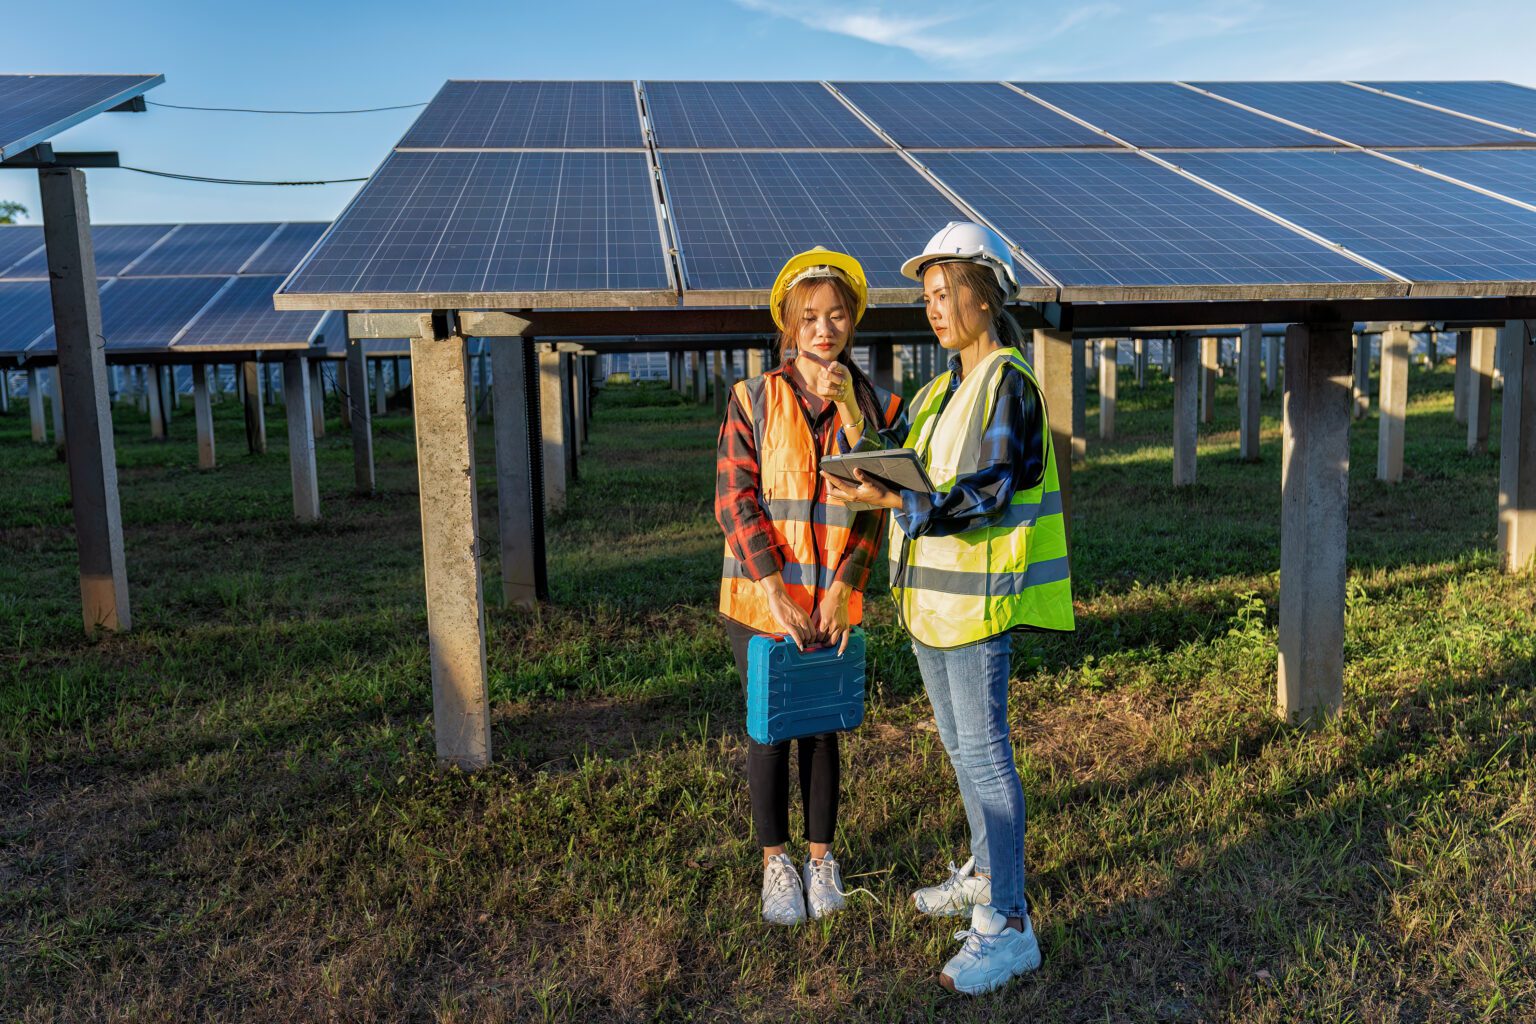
[964, 276]
[794, 305]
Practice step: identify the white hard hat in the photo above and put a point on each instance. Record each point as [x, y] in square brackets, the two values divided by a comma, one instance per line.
[971, 243]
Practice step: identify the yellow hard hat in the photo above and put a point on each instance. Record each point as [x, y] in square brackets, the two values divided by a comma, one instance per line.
[818, 262]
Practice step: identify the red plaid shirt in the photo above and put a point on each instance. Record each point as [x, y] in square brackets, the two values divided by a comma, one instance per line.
[739, 509]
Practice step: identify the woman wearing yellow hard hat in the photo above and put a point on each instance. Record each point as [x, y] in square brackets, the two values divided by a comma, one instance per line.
[795, 563]
[983, 555]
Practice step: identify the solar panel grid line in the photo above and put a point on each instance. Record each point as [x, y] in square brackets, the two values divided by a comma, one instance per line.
[202, 249]
[241, 317]
[665, 229]
[570, 115]
[1160, 115]
[1273, 117]
[126, 267]
[868, 122]
[21, 249]
[1462, 182]
[960, 115]
[262, 248]
[226, 286]
[752, 115]
[1439, 109]
[47, 332]
[1509, 172]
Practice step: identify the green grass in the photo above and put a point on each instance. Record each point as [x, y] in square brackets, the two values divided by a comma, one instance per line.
[233, 811]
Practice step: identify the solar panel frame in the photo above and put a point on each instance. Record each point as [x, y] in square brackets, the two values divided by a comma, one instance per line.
[240, 316]
[1346, 196]
[283, 251]
[28, 307]
[1189, 119]
[400, 189]
[485, 114]
[873, 205]
[1117, 225]
[201, 250]
[1504, 102]
[35, 108]
[753, 115]
[115, 246]
[17, 242]
[1362, 117]
[965, 115]
[1510, 172]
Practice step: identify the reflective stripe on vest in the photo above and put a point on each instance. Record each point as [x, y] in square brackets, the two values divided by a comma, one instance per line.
[966, 587]
[811, 534]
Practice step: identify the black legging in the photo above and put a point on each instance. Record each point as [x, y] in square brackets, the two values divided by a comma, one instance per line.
[768, 772]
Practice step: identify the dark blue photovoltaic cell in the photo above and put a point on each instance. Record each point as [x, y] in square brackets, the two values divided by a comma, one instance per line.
[243, 315]
[1510, 172]
[116, 245]
[1161, 114]
[1418, 226]
[529, 115]
[1514, 105]
[34, 108]
[1120, 219]
[283, 252]
[965, 115]
[220, 249]
[1364, 118]
[16, 242]
[739, 216]
[753, 115]
[505, 222]
[26, 311]
[149, 312]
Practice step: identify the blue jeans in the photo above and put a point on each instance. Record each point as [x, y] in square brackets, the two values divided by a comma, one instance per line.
[968, 687]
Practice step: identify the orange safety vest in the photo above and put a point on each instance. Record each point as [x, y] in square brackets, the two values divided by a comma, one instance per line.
[811, 532]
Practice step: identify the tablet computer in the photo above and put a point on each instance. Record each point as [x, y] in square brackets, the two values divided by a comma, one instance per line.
[898, 468]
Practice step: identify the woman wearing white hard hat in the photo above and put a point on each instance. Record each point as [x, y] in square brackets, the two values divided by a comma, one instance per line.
[983, 555]
[794, 562]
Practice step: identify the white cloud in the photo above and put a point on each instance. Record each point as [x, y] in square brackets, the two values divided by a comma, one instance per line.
[1210, 21]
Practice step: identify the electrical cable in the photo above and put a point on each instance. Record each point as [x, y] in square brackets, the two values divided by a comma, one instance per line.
[234, 181]
[257, 110]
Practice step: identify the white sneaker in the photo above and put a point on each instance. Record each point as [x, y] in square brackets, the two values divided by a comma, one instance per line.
[957, 894]
[991, 954]
[823, 887]
[783, 898]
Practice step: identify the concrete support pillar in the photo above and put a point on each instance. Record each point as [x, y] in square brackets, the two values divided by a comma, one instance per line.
[1168, 345]
[317, 399]
[1109, 387]
[83, 380]
[883, 362]
[552, 421]
[1480, 387]
[1186, 407]
[1271, 366]
[255, 411]
[450, 535]
[301, 439]
[583, 394]
[700, 379]
[754, 362]
[1140, 358]
[1248, 392]
[1394, 403]
[1463, 355]
[362, 418]
[379, 396]
[1362, 389]
[57, 402]
[1314, 519]
[1057, 366]
[519, 492]
[343, 396]
[156, 392]
[1517, 449]
[1432, 348]
[35, 407]
[202, 408]
[568, 407]
[1210, 350]
[1079, 403]
[5, 392]
[718, 386]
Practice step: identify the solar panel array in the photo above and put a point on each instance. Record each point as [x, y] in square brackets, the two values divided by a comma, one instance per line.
[165, 288]
[34, 108]
[1107, 190]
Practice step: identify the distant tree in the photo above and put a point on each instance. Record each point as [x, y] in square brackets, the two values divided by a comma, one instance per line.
[10, 210]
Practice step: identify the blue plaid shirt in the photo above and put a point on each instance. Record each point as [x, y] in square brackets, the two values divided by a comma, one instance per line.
[1012, 458]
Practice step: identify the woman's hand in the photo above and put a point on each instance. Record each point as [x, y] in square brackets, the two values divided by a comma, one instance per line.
[791, 618]
[870, 491]
[833, 382]
[831, 617]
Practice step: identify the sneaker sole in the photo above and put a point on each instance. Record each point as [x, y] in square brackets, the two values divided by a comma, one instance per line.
[949, 983]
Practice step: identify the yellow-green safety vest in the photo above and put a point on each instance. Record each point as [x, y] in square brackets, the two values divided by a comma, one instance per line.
[966, 587]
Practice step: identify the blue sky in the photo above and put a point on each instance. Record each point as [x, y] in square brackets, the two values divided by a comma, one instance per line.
[321, 54]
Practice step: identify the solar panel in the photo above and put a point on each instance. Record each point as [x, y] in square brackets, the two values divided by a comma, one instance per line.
[1510, 172]
[753, 115]
[242, 317]
[34, 108]
[1514, 105]
[964, 115]
[115, 245]
[1422, 228]
[26, 311]
[1364, 118]
[16, 241]
[219, 249]
[283, 252]
[528, 115]
[1161, 114]
[1118, 219]
[739, 216]
[149, 312]
[495, 223]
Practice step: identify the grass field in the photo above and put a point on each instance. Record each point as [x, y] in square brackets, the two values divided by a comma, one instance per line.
[232, 813]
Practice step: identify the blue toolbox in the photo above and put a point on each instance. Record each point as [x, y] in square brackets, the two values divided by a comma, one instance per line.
[793, 693]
